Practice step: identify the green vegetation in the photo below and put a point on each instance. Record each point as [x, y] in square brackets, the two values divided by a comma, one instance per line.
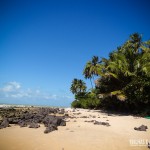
[123, 82]
[78, 86]
[86, 100]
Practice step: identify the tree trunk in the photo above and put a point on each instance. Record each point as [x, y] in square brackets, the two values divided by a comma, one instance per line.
[91, 83]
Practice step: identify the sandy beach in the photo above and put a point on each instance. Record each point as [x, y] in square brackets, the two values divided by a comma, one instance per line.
[79, 134]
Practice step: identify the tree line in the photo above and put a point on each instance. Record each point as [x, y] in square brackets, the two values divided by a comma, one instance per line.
[123, 82]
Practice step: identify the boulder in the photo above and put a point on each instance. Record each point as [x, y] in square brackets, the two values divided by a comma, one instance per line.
[101, 123]
[141, 128]
[50, 128]
[4, 123]
[63, 123]
[48, 120]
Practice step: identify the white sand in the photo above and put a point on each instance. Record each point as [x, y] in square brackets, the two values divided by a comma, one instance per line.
[79, 135]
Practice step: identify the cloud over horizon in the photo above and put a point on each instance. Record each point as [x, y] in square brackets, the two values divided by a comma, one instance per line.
[11, 86]
[14, 91]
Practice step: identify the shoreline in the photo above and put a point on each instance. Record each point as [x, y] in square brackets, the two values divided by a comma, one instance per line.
[83, 130]
[2, 105]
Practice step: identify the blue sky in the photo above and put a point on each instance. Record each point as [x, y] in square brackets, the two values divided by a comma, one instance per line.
[44, 44]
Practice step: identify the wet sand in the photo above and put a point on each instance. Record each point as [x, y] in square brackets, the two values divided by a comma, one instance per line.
[78, 134]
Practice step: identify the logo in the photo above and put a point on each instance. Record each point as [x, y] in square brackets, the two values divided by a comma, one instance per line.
[139, 142]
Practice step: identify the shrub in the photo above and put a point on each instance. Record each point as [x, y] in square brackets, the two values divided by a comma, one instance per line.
[86, 103]
[76, 104]
[138, 94]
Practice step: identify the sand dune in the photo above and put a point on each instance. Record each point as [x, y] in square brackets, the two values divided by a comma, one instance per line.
[80, 135]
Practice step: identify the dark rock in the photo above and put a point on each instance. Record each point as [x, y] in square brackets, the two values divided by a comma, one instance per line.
[105, 123]
[11, 115]
[90, 121]
[10, 120]
[56, 121]
[23, 124]
[14, 121]
[66, 115]
[4, 123]
[63, 123]
[84, 117]
[46, 111]
[50, 128]
[62, 111]
[141, 128]
[71, 117]
[32, 117]
[34, 125]
[101, 123]
[48, 120]
[53, 120]
[148, 145]
[77, 113]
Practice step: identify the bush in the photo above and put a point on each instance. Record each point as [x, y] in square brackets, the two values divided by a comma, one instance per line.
[86, 103]
[76, 104]
[138, 95]
[113, 104]
[81, 95]
[91, 103]
[88, 100]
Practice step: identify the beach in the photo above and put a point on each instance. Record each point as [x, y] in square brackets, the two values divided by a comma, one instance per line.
[80, 133]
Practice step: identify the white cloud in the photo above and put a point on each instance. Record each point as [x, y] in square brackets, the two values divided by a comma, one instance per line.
[18, 95]
[13, 90]
[11, 86]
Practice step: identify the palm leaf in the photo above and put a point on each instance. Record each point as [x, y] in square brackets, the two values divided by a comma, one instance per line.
[119, 94]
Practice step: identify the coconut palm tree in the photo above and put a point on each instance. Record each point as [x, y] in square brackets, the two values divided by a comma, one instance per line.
[86, 72]
[74, 86]
[142, 65]
[127, 62]
[91, 69]
[78, 86]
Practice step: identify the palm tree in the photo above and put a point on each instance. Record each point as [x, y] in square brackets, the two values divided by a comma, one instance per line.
[86, 72]
[78, 86]
[91, 69]
[127, 62]
[142, 65]
[95, 66]
[74, 86]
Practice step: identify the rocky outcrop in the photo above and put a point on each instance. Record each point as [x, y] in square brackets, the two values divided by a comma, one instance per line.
[33, 118]
[50, 128]
[4, 123]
